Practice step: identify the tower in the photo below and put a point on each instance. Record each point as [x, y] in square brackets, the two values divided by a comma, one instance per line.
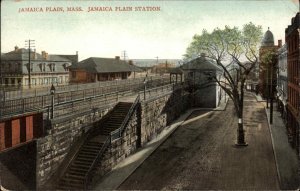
[267, 70]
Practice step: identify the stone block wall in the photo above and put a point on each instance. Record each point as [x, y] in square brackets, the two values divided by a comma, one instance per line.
[147, 121]
[120, 148]
[151, 117]
[156, 114]
[16, 167]
[61, 135]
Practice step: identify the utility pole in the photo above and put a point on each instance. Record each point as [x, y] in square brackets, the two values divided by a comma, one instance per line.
[271, 97]
[268, 86]
[124, 55]
[156, 59]
[30, 44]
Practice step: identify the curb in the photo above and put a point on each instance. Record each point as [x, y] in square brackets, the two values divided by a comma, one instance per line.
[274, 150]
[257, 99]
[223, 108]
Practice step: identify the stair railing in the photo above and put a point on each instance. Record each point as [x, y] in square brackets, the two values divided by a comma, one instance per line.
[88, 175]
[118, 132]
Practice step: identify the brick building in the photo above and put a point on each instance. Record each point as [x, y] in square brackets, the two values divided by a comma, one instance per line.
[292, 33]
[44, 69]
[282, 82]
[265, 69]
[96, 69]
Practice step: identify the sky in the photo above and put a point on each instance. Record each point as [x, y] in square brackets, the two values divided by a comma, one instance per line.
[165, 33]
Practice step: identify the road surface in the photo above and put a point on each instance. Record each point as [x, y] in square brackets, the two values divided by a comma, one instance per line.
[200, 154]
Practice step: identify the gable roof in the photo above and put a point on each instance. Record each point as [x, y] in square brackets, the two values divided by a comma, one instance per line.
[72, 58]
[201, 63]
[23, 54]
[104, 65]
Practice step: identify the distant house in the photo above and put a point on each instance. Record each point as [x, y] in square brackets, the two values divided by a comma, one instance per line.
[196, 73]
[44, 69]
[96, 69]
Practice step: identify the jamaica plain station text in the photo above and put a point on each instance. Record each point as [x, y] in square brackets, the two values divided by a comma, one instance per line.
[88, 9]
[93, 9]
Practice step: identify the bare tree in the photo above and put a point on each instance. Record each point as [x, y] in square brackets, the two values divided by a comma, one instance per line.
[231, 46]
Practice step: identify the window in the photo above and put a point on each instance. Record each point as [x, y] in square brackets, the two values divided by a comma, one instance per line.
[53, 67]
[19, 67]
[44, 67]
[13, 81]
[26, 81]
[19, 82]
[73, 74]
[33, 81]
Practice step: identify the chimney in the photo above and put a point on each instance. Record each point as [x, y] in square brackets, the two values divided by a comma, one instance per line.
[44, 55]
[33, 54]
[77, 53]
[117, 57]
[16, 48]
[130, 62]
[279, 43]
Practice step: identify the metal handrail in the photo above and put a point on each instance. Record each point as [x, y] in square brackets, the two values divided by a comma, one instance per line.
[44, 100]
[100, 153]
[108, 142]
[73, 87]
[120, 130]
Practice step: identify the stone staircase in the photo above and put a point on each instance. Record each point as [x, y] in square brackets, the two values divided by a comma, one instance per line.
[75, 174]
[116, 118]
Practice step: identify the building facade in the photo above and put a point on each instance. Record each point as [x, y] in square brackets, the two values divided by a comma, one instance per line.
[196, 73]
[96, 69]
[292, 33]
[267, 71]
[282, 82]
[17, 68]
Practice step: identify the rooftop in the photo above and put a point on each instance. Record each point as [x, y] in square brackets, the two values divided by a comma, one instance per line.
[105, 65]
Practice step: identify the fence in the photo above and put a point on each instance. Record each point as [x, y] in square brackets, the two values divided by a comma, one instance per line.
[23, 93]
[68, 100]
[157, 91]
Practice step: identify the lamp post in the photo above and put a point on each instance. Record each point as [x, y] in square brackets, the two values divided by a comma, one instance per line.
[145, 82]
[52, 92]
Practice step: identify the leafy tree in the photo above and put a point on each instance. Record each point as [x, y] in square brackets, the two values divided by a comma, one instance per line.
[269, 64]
[227, 47]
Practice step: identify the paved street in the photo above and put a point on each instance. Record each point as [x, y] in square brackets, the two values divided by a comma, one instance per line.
[200, 154]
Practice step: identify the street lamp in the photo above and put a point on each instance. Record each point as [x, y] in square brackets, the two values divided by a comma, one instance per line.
[52, 92]
[145, 82]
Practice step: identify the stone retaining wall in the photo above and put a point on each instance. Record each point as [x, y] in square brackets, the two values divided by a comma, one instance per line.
[151, 117]
[156, 114]
[120, 148]
[148, 120]
[61, 135]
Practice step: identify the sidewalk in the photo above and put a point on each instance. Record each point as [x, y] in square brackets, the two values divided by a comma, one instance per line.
[125, 168]
[285, 157]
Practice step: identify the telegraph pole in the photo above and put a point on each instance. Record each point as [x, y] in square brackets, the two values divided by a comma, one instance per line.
[30, 44]
[156, 64]
[271, 97]
[124, 55]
